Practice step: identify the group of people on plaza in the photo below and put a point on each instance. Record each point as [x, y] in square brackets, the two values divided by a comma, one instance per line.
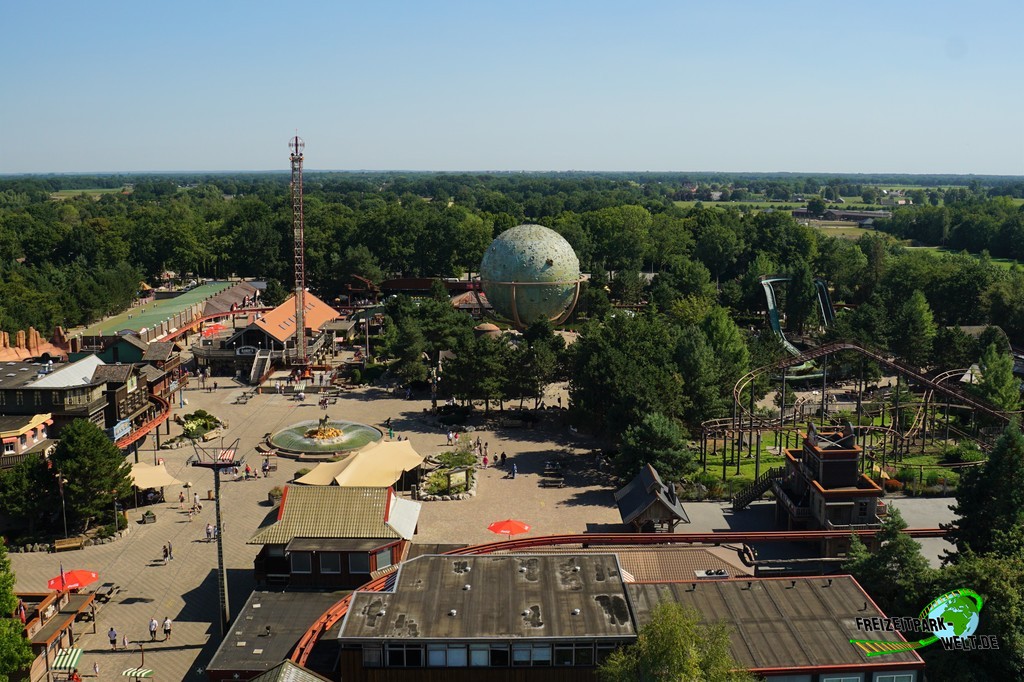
[154, 625]
[482, 452]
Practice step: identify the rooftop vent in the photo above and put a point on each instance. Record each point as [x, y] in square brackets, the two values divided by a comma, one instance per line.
[467, 587]
[575, 612]
[453, 613]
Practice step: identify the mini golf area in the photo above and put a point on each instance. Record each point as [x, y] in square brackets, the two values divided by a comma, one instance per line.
[155, 312]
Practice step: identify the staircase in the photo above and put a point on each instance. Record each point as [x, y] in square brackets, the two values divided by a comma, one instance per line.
[259, 365]
[758, 488]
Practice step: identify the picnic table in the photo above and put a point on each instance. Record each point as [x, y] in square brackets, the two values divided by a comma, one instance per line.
[105, 591]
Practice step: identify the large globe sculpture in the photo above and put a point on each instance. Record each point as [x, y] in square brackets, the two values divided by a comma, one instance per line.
[531, 273]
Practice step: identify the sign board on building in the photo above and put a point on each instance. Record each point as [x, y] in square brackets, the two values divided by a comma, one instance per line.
[121, 429]
[246, 350]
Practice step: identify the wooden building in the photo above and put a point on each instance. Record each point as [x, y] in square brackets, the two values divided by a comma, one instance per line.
[823, 489]
[332, 537]
[22, 436]
[648, 504]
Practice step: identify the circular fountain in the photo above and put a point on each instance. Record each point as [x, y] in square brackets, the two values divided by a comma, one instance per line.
[323, 439]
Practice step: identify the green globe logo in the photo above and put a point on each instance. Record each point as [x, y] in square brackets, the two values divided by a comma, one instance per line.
[959, 610]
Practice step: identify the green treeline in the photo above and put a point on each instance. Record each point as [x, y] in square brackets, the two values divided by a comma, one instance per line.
[70, 260]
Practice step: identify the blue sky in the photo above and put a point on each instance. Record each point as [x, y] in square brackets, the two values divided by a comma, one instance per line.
[918, 87]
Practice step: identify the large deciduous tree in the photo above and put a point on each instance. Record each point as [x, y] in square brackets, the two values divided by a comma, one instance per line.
[675, 646]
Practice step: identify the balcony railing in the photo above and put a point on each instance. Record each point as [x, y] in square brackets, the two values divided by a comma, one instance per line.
[795, 510]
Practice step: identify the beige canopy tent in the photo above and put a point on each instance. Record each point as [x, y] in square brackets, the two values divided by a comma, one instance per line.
[149, 476]
[380, 465]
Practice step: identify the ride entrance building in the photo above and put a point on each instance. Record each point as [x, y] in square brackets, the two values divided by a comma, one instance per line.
[822, 488]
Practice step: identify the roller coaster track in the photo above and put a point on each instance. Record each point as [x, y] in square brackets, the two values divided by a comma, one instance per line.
[333, 615]
[821, 351]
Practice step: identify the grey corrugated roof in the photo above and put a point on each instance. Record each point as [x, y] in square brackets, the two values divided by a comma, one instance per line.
[563, 596]
[328, 512]
[778, 622]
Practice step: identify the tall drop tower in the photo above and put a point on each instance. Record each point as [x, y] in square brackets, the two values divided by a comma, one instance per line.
[296, 144]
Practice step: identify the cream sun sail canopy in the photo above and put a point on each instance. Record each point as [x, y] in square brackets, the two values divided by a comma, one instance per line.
[380, 465]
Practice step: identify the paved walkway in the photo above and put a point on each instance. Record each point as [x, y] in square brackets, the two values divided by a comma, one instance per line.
[185, 588]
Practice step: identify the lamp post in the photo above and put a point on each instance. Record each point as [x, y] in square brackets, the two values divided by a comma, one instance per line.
[63, 510]
[114, 493]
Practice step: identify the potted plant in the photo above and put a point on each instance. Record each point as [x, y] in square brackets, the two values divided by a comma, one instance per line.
[275, 494]
[148, 516]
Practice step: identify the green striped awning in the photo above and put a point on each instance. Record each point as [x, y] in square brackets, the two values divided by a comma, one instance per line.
[137, 672]
[67, 659]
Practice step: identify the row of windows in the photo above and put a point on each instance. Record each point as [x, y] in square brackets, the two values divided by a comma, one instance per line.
[848, 677]
[485, 655]
[330, 562]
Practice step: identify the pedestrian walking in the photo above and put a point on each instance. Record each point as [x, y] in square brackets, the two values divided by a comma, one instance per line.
[266, 467]
[195, 499]
[485, 461]
[181, 500]
[449, 436]
[112, 634]
[391, 433]
[170, 551]
[165, 550]
[152, 629]
[485, 450]
[209, 532]
[124, 641]
[503, 460]
[515, 470]
[167, 628]
[96, 668]
[248, 472]
[456, 437]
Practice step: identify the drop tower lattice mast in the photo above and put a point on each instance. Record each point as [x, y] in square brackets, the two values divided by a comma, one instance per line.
[296, 145]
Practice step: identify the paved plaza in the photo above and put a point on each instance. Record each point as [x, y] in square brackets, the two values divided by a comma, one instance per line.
[185, 588]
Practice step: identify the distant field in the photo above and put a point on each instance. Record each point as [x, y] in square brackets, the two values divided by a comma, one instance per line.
[94, 193]
[842, 229]
[1005, 263]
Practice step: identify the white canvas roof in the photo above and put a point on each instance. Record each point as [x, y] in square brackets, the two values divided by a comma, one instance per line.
[149, 476]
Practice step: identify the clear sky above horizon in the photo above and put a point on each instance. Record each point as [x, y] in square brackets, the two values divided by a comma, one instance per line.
[908, 87]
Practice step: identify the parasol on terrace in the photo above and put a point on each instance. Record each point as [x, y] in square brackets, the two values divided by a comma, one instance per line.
[509, 527]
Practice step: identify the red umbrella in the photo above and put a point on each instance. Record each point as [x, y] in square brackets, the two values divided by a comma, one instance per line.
[213, 329]
[509, 527]
[72, 580]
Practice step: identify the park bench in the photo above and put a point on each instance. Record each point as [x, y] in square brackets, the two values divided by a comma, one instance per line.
[68, 543]
[552, 481]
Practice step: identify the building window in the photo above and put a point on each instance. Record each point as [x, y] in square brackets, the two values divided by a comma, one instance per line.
[848, 677]
[405, 656]
[895, 677]
[302, 562]
[499, 655]
[330, 562]
[19, 397]
[604, 651]
[436, 657]
[521, 654]
[542, 654]
[371, 656]
[37, 398]
[862, 509]
[574, 655]
[8, 448]
[479, 655]
[457, 656]
[358, 562]
[384, 559]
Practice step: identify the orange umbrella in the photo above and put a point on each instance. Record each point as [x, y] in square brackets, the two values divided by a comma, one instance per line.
[509, 527]
[72, 580]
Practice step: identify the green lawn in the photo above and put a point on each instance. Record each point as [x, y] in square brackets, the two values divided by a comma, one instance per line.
[154, 312]
[1005, 263]
[94, 192]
